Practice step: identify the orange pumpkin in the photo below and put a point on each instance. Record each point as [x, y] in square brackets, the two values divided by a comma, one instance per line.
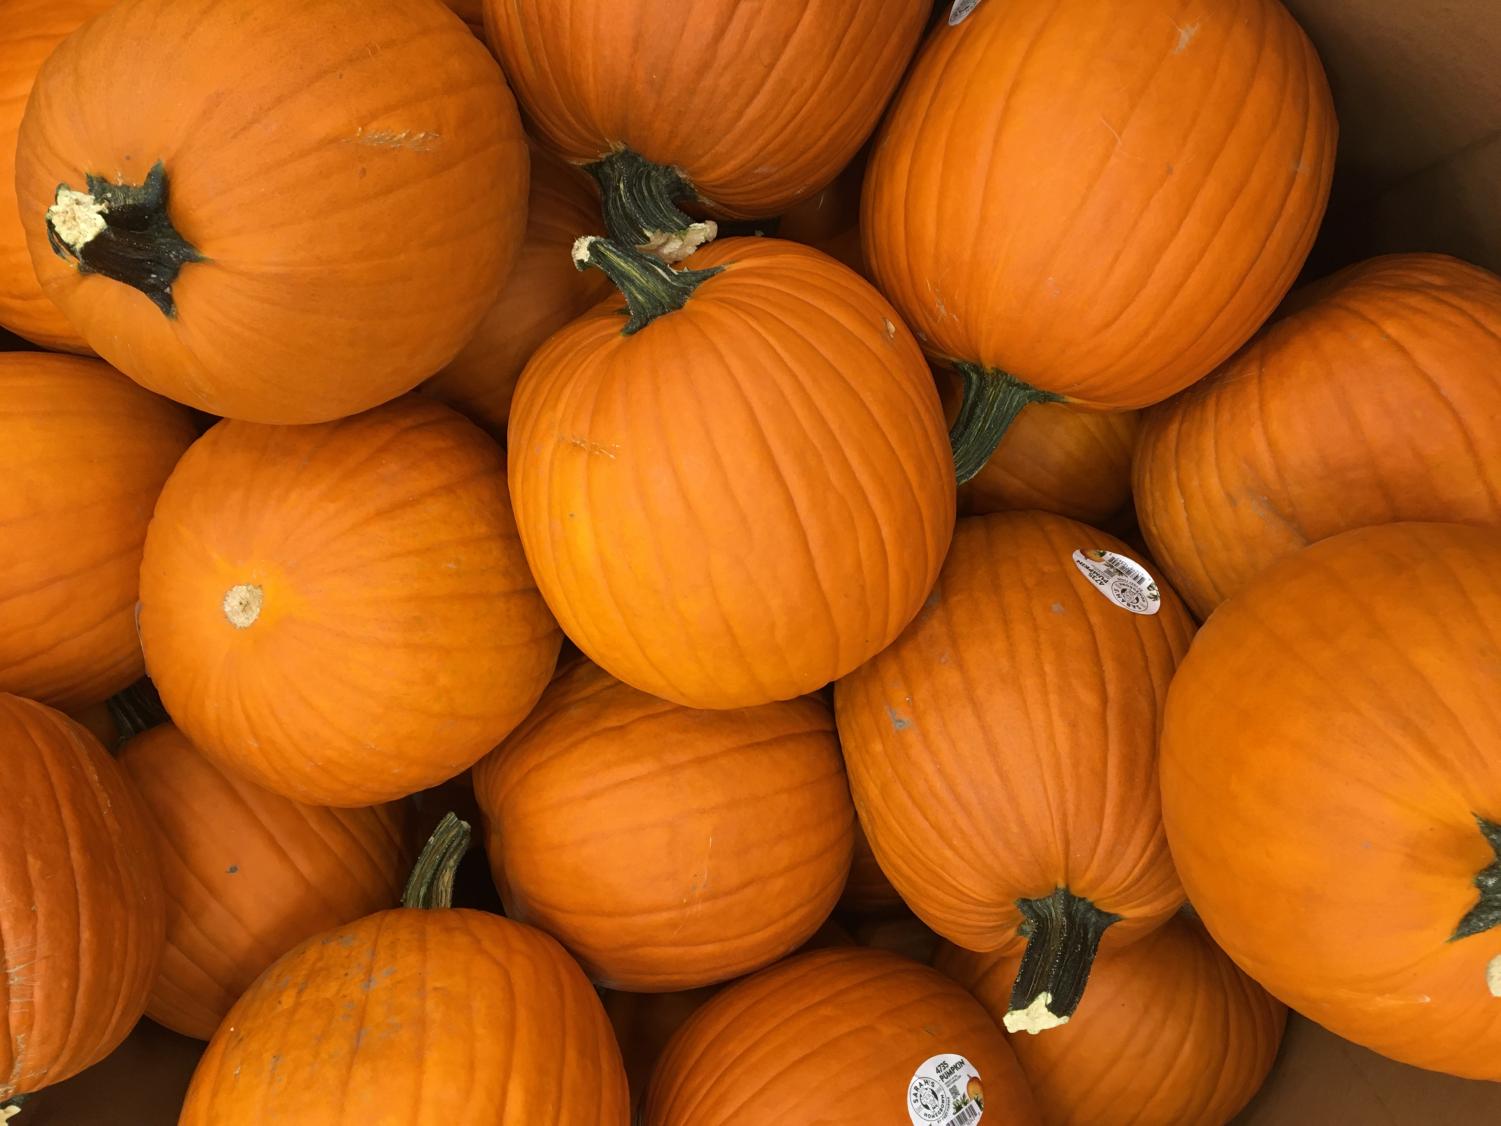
[857, 1034]
[81, 905]
[341, 613]
[830, 220]
[868, 891]
[741, 110]
[1003, 755]
[1374, 400]
[1171, 1034]
[285, 223]
[1102, 245]
[717, 842]
[83, 455]
[903, 933]
[1332, 792]
[464, 1015]
[644, 1023]
[742, 492]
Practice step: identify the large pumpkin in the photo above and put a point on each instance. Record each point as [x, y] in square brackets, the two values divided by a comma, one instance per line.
[1332, 792]
[1375, 400]
[1003, 753]
[341, 613]
[716, 842]
[81, 909]
[742, 492]
[284, 212]
[740, 109]
[1171, 1033]
[83, 455]
[1097, 202]
[249, 874]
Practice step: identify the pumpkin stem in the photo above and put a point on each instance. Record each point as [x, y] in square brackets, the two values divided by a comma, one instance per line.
[1063, 932]
[638, 196]
[12, 1107]
[136, 709]
[1487, 912]
[650, 286]
[123, 232]
[431, 882]
[992, 400]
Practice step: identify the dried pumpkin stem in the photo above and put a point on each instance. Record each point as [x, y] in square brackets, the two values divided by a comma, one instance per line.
[12, 1107]
[431, 882]
[651, 287]
[136, 709]
[639, 197]
[992, 400]
[1486, 913]
[1063, 932]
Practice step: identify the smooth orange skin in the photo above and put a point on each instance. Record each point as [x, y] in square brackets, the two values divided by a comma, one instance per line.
[347, 258]
[836, 1033]
[1169, 1033]
[665, 847]
[1327, 746]
[81, 906]
[746, 499]
[1374, 400]
[83, 454]
[400, 636]
[430, 1016]
[759, 106]
[1006, 744]
[249, 874]
[1104, 200]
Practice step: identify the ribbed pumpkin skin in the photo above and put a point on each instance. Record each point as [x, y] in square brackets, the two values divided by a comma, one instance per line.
[1005, 745]
[868, 891]
[399, 635]
[1374, 401]
[758, 105]
[1327, 747]
[462, 1015]
[644, 1023]
[748, 498]
[249, 874]
[83, 455]
[837, 1034]
[1104, 200]
[1170, 1033]
[334, 185]
[81, 907]
[666, 847]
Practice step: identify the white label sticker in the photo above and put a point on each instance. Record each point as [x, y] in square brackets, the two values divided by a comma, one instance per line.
[1124, 581]
[945, 1091]
[961, 10]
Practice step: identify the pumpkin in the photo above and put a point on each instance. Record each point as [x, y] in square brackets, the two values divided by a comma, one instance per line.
[1374, 400]
[341, 612]
[716, 842]
[1332, 793]
[868, 891]
[1171, 1033]
[1003, 753]
[507, 1028]
[1104, 245]
[902, 933]
[644, 1023]
[740, 493]
[83, 454]
[81, 905]
[280, 225]
[249, 874]
[855, 1033]
[543, 293]
[830, 220]
[472, 12]
[742, 110]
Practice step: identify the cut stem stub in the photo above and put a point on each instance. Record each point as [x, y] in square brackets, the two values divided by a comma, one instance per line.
[431, 882]
[992, 400]
[1063, 932]
[651, 287]
[639, 201]
[136, 709]
[1486, 914]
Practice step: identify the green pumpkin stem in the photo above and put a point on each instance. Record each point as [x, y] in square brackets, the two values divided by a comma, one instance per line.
[639, 197]
[992, 400]
[1063, 932]
[136, 709]
[651, 287]
[1486, 914]
[431, 883]
[12, 1107]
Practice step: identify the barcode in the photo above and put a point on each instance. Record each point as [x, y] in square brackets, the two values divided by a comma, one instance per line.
[969, 1112]
[1120, 565]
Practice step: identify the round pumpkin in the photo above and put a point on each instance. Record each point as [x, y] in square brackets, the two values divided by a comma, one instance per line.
[644, 1023]
[81, 906]
[868, 891]
[305, 211]
[741, 110]
[1003, 753]
[830, 220]
[744, 490]
[857, 1034]
[1171, 1033]
[249, 874]
[83, 455]
[1374, 400]
[1068, 255]
[1332, 792]
[716, 842]
[341, 613]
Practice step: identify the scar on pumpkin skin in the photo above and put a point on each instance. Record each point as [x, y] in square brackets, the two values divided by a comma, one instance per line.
[414, 139]
[1493, 976]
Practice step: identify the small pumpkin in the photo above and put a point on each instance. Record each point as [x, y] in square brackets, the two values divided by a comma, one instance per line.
[716, 843]
[1002, 754]
[284, 223]
[868, 892]
[341, 612]
[644, 1023]
[1374, 400]
[830, 220]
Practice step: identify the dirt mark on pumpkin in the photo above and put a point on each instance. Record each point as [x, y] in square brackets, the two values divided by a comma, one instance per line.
[1186, 36]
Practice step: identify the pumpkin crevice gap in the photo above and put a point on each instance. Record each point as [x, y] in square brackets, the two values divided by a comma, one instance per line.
[136, 709]
[1486, 914]
[431, 883]
[639, 209]
[651, 287]
[1063, 932]
[242, 604]
[992, 400]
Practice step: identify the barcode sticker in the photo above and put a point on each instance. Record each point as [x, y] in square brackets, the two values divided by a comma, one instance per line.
[1124, 581]
[957, 15]
[945, 1091]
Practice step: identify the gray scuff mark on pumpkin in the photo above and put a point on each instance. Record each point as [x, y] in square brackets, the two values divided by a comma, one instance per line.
[1114, 132]
[414, 140]
[938, 305]
[1186, 35]
[899, 722]
[1056, 608]
[17, 1066]
[594, 449]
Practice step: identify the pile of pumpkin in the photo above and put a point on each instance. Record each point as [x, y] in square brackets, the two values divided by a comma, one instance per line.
[801, 688]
